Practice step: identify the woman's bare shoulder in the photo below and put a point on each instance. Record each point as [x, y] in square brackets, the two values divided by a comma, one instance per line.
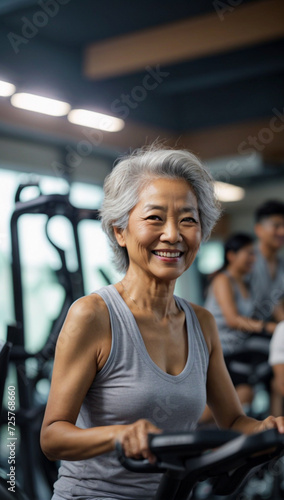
[89, 308]
[203, 315]
[87, 321]
[207, 323]
[221, 280]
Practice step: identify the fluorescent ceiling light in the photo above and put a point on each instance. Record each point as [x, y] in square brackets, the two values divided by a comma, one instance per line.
[95, 120]
[228, 192]
[40, 104]
[6, 89]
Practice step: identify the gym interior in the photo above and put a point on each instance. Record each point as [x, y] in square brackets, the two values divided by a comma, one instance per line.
[83, 84]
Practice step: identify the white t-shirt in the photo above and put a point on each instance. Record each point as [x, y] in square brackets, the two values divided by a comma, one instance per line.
[276, 347]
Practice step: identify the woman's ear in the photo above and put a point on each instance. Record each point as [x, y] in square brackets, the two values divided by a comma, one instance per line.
[119, 234]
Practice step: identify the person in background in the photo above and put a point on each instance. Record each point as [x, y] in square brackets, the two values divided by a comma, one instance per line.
[230, 298]
[231, 302]
[276, 361]
[267, 276]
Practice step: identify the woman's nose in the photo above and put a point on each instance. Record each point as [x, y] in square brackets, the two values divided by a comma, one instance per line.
[171, 232]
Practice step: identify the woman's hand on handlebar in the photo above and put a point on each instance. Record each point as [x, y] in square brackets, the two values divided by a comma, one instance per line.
[272, 423]
[134, 439]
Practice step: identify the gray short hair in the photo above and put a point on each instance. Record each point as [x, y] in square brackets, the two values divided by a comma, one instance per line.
[131, 174]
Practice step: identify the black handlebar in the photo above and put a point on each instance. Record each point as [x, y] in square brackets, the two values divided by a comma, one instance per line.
[136, 465]
[171, 448]
[188, 457]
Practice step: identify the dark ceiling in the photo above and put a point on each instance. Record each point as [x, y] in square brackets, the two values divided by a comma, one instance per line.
[239, 84]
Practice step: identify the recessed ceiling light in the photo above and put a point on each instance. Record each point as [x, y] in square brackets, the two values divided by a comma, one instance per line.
[95, 120]
[40, 104]
[6, 89]
[228, 192]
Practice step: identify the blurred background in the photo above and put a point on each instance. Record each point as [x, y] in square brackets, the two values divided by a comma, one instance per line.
[207, 76]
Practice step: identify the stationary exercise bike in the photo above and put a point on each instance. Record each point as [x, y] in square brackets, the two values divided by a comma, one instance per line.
[5, 494]
[185, 458]
[33, 467]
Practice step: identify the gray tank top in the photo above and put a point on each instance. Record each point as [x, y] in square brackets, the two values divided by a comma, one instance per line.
[131, 386]
[230, 338]
[267, 291]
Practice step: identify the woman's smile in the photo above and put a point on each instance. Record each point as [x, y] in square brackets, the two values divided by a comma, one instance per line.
[168, 255]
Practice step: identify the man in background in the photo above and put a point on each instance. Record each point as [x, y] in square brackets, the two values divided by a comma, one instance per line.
[267, 277]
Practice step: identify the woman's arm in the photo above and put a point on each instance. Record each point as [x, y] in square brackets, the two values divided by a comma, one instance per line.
[278, 313]
[76, 362]
[221, 395]
[223, 291]
[82, 349]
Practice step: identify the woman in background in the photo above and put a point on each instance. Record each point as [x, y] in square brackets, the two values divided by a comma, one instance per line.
[231, 303]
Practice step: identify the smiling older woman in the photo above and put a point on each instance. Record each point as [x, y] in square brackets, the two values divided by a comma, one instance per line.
[133, 358]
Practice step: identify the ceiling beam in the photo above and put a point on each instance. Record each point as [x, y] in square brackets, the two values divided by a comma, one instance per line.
[187, 39]
[226, 75]
[264, 136]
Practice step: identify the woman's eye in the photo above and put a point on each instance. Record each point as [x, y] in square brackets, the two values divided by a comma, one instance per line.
[189, 219]
[154, 217]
